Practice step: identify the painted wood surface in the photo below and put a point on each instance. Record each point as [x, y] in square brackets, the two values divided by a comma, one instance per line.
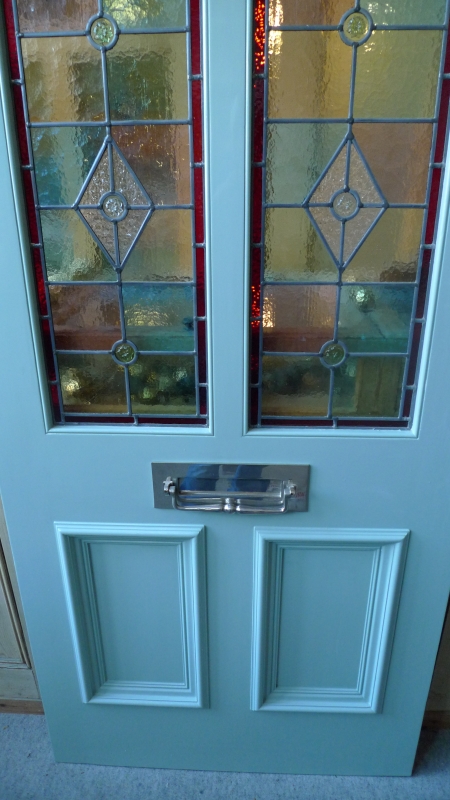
[372, 481]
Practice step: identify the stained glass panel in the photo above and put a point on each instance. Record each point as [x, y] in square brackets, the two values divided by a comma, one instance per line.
[110, 130]
[347, 118]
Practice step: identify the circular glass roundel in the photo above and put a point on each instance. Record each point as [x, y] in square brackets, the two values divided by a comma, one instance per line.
[124, 352]
[345, 205]
[102, 32]
[114, 207]
[333, 354]
[356, 27]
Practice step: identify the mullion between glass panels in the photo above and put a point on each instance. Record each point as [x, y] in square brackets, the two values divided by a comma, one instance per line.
[192, 196]
[32, 171]
[264, 77]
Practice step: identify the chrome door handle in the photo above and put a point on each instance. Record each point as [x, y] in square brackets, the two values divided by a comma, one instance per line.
[272, 501]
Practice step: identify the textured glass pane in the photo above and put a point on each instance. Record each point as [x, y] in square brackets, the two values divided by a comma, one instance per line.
[70, 251]
[63, 78]
[159, 317]
[397, 74]
[375, 318]
[99, 184]
[163, 385]
[63, 158]
[391, 251]
[93, 383]
[307, 12]
[131, 14]
[128, 229]
[298, 318]
[297, 154]
[164, 250]
[147, 77]
[85, 317]
[357, 228]
[159, 155]
[331, 229]
[408, 12]
[320, 63]
[294, 387]
[54, 15]
[102, 229]
[398, 155]
[125, 182]
[368, 387]
[294, 251]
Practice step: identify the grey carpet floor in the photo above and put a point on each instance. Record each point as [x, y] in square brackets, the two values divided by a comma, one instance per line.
[28, 772]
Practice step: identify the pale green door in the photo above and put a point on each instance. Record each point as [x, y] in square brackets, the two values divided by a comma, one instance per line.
[289, 642]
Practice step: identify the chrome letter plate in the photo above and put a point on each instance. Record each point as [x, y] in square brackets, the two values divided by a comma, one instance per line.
[244, 488]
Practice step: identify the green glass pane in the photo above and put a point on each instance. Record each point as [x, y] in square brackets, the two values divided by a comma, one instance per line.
[368, 387]
[164, 250]
[298, 318]
[320, 63]
[85, 317]
[159, 317]
[375, 318]
[63, 158]
[53, 15]
[297, 154]
[293, 249]
[147, 77]
[131, 14]
[408, 12]
[398, 155]
[63, 77]
[397, 74]
[163, 385]
[294, 387]
[307, 12]
[391, 251]
[92, 384]
[71, 254]
[159, 155]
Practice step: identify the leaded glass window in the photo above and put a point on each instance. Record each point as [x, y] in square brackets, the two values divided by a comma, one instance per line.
[109, 112]
[350, 108]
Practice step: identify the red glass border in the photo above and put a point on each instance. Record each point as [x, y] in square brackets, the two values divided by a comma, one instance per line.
[425, 267]
[196, 88]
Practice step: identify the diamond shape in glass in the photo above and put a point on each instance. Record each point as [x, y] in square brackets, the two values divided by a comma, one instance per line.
[346, 203]
[114, 182]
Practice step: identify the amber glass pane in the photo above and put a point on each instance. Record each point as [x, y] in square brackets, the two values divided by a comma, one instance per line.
[391, 251]
[103, 230]
[63, 78]
[375, 318]
[146, 13]
[368, 387]
[85, 317]
[164, 250]
[159, 317]
[397, 74]
[159, 155]
[320, 63]
[297, 154]
[92, 384]
[399, 155]
[406, 12]
[294, 387]
[307, 12]
[54, 15]
[71, 254]
[163, 385]
[147, 77]
[294, 251]
[63, 158]
[298, 318]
